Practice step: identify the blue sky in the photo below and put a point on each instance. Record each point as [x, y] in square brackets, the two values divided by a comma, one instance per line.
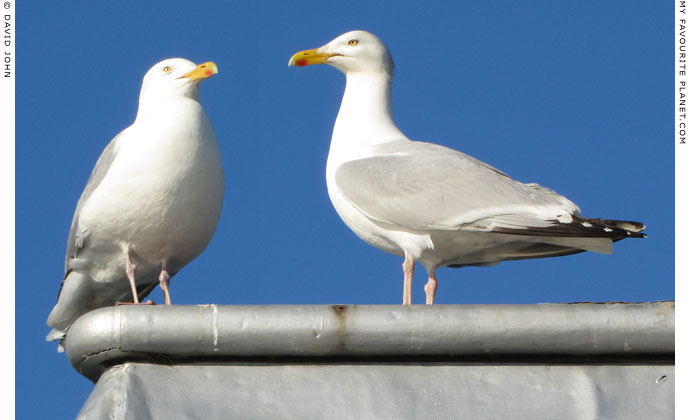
[572, 95]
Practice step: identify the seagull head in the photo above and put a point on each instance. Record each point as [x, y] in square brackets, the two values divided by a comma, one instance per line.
[175, 77]
[352, 52]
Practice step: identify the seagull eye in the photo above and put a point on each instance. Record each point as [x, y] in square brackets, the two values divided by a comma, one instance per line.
[352, 42]
[167, 69]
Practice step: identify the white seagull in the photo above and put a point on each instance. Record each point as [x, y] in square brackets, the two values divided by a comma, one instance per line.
[152, 202]
[427, 202]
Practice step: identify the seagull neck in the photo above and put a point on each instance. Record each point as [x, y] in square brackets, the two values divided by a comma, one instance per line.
[171, 108]
[145, 108]
[365, 118]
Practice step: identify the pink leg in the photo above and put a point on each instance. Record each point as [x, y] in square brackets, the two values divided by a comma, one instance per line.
[164, 280]
[408, 272]
[430, 288]
[130, 269]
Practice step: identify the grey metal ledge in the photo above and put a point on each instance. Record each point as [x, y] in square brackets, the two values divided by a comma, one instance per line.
[106, 336]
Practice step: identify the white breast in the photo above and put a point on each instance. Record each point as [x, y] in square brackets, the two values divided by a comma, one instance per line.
[163, 194]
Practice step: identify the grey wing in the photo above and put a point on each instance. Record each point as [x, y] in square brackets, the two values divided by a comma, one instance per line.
[74, 242]
[426, 186]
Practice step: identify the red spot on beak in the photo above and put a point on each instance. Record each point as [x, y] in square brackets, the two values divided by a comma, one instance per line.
[208, 73]
[302, 62]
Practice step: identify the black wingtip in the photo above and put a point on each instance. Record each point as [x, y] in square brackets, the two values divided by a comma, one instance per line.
[635, 227]
[616, 229]
[583, 227]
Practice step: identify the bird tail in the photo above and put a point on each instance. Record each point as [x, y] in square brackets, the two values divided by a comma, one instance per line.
[73, 301]
[581, 233]
[55, 335]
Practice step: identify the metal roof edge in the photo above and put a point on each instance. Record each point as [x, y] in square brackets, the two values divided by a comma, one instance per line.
[102, 337]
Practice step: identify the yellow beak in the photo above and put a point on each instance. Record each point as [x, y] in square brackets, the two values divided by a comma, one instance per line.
[202, 71]
[307, 57]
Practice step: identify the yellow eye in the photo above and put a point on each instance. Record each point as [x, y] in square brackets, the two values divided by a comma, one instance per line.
[352, 42]
[167, 69]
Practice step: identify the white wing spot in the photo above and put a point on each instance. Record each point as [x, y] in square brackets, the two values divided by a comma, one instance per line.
[565, 218]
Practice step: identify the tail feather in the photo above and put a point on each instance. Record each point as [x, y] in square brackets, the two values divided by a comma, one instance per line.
[55, 335]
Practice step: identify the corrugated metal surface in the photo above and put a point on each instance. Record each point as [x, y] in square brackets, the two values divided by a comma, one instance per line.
[556, 361]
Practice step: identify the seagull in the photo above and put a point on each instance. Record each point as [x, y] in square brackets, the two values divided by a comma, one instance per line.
[152, 202]
[429, 203]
